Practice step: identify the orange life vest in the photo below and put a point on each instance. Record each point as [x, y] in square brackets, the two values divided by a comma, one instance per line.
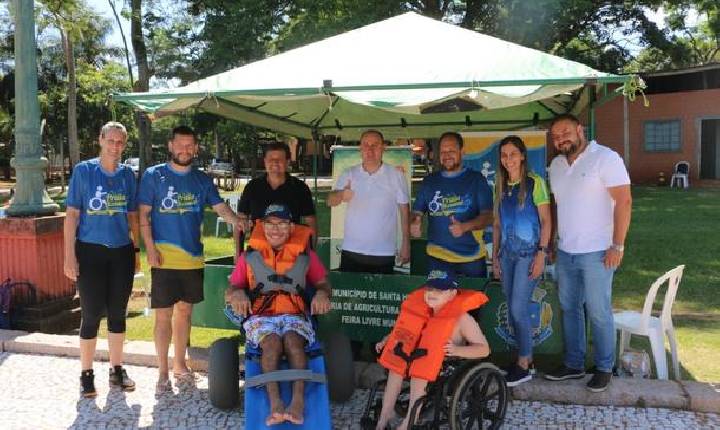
[279, 262]
[417, 329]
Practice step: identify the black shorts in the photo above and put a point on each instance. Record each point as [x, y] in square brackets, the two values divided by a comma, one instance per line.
[170, 286]
[355, 262]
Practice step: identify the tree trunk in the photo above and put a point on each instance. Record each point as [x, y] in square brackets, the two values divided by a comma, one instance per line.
[73, 144]
[122, 34]
[142, 84]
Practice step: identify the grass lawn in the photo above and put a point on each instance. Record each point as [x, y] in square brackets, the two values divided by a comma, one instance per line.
[672, 227]
[669, 227]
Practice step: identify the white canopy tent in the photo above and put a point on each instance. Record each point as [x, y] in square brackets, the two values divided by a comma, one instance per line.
[408, 76]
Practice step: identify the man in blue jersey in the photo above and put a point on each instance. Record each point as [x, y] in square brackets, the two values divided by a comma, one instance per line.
[458, 202]
[172, 201]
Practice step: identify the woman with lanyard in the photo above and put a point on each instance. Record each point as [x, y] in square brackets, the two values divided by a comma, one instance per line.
[521, 233]
[101, 237]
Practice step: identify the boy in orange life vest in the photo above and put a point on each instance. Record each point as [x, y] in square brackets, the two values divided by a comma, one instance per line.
[433, 323]
[277, 263]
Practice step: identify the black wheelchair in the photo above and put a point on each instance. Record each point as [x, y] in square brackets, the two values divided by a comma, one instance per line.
[467, 394]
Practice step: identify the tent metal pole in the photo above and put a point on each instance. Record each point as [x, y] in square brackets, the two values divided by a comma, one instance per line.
[316, 142]
[591, 112]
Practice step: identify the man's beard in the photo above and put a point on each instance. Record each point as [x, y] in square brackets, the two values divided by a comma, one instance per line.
[570, 149]
[455, 166]
[180, 162]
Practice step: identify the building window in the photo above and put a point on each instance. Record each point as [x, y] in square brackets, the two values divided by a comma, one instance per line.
[662, 136]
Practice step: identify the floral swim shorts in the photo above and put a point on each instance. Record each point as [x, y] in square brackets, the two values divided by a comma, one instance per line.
[258, 326]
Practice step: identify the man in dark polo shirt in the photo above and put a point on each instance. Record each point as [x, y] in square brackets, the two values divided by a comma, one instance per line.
[277, 186]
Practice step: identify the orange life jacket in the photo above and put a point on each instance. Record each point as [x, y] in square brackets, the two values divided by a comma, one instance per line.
[417, 330]
[278, 262]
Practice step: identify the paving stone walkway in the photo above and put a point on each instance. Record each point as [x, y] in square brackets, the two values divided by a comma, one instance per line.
[41, 392]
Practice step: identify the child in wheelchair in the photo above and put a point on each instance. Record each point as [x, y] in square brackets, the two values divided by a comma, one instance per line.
[267, 286]
[433, 323]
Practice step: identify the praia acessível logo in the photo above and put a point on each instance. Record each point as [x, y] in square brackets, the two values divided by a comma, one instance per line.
[541, 315]
[437, 274]
[106, 203]
[447, 205]
[178, 203]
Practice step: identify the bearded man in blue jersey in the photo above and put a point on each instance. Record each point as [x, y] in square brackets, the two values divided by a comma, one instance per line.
[458, 202]
[172, 200]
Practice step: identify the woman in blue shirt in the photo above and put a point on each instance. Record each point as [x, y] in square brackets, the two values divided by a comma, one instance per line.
[521, 233]
[101, 236]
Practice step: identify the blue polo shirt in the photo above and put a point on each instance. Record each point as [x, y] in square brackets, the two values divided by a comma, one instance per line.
[103, 199]
[463, 196]
[178, 201]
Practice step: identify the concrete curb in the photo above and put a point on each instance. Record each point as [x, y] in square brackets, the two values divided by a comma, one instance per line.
[644, 393]
[138, 353]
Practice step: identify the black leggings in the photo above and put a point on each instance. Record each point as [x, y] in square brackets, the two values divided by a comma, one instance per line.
[105, 283]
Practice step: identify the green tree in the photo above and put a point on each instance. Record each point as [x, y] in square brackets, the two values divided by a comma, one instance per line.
[691, 37]
[77, 24]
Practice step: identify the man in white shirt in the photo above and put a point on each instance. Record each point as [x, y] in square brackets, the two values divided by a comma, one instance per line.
[593, 203]
[375, 193]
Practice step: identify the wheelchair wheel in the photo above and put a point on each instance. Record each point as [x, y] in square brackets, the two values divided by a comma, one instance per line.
[480, 399]
[224, 374]
[339, 366]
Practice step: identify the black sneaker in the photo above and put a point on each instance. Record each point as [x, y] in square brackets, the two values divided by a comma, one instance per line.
[87, 384]
[563, 373]
[505, 370]
[120, 378]
[599, 382]
[517, 376]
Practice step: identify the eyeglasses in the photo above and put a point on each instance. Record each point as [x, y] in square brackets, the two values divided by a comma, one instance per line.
[282, 225]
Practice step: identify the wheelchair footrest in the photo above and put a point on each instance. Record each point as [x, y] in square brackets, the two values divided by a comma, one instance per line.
[285, 375]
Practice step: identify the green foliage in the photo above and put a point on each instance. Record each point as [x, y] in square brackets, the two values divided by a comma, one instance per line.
[692, 37]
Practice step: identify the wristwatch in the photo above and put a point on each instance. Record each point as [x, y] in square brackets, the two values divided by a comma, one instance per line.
[541, 248]
[618, 248]
[137, 249]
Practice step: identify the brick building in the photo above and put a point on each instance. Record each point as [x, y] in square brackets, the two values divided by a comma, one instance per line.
[682, 123]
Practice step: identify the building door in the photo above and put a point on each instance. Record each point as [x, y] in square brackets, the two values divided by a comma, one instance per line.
[710, 149]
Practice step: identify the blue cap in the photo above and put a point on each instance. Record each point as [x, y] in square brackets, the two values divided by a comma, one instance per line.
[278, 210]
[442, 279]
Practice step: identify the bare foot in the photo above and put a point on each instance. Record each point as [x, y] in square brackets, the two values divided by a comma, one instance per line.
[277, 415]
[182, 372]
[294, 412]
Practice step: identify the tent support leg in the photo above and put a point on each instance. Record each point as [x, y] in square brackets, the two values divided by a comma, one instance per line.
[316, 142]
[591, 113]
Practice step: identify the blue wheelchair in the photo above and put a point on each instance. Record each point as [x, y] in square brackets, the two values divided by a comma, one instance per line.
[325, 380]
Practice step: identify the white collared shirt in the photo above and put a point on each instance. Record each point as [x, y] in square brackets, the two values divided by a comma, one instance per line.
[584, 206]
[371, 218]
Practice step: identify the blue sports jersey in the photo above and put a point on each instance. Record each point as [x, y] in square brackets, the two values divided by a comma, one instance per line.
[103, 199]
[461, 196]
[520, 224]
[178, 201]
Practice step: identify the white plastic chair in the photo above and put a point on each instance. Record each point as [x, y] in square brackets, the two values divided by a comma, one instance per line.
[655, 328]
[232, 201]
[681, 174]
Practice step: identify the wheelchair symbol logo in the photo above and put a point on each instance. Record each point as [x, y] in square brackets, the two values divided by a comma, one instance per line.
[99, 202]
[170, 200]
[488, 173]
[541, 315]
[435, 204]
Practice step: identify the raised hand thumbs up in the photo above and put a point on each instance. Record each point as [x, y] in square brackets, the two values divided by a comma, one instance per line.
[348, 193]
[456, 228]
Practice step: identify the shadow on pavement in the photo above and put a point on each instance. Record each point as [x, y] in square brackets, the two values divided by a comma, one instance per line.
[116, 412]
